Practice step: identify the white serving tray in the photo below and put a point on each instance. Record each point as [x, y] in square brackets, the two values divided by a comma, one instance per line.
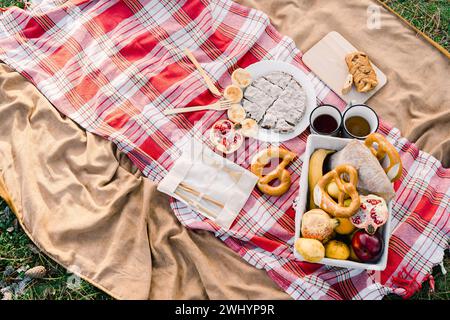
[325, 142]
[327, 60]
[264, 67]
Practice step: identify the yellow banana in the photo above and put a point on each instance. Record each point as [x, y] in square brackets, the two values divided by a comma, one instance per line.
[315, 172]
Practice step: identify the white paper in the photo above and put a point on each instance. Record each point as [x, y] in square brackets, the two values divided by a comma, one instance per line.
[212, 176]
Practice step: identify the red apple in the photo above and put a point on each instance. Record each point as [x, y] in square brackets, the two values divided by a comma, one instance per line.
[367, 247]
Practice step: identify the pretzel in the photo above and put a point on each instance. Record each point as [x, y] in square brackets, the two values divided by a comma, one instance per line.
[359, 66]
[325, 202]
[385, 148]
[263, 158]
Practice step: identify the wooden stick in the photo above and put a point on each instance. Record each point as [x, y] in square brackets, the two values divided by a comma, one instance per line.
[189, 109]
[196, 193]
[207, 79]
[211, 214]
[219, 106]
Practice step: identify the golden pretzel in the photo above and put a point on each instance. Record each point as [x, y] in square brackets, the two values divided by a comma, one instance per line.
[262, 159]
[385, 148]
[327, 203]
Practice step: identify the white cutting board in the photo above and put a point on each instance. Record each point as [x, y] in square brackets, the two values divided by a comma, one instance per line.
[327, 60]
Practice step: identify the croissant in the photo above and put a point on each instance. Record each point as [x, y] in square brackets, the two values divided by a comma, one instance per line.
[364, 76]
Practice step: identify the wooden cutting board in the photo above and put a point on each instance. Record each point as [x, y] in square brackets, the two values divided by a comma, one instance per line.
[327, 60]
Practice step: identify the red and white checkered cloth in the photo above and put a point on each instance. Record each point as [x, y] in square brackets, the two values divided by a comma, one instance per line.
[114, 66]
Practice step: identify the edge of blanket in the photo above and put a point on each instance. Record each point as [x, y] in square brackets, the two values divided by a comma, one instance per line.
[410, 25]
[9, 201]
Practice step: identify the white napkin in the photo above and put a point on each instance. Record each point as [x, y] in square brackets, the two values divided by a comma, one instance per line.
[211, 177]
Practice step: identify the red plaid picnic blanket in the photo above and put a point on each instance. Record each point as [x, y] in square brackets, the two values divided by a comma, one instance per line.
[114, 66]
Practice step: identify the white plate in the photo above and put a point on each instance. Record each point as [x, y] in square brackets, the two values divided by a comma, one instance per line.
[264, 67]
[325, 142]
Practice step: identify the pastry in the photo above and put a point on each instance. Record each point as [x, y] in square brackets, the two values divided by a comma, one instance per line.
[323, 200]
[275, 101]
[258, 97]
[269, 121]
[249, 128]
[279, 78]
[236, 113]
[385, 150]
[241, 78]
[283, 126]
[262, 159]
[359, 66]
[317, 224]
[233, 93]
[348, 84]
[267, 87]
[371, 177]
[253, 110]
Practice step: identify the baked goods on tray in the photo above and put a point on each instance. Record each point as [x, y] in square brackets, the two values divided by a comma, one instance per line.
[346, 189]
[386, 150]
[351, 187]
[233, 93]
[359, 66]
[371, 176]
[275, 101]
[241, 78]
[317, 224]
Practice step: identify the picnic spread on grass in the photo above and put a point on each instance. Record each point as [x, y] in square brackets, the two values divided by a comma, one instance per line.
[206, 102]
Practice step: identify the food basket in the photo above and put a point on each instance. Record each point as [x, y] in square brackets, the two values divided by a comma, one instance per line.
[326, 142]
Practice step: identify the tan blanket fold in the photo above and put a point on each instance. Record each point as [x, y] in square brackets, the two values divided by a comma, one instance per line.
[416, 98]
[86, 206]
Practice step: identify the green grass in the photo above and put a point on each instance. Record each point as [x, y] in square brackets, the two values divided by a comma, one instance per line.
[8, 3]
[442, 285]
[17, 252]
[429, 16]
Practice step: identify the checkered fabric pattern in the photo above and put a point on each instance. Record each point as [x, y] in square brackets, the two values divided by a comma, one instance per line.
[114, 66]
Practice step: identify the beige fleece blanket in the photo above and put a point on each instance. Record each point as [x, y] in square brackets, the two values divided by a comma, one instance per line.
[85, 205]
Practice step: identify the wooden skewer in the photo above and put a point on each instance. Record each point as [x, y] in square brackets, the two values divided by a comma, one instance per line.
[211, 214]
[207, 79]
[196, 193]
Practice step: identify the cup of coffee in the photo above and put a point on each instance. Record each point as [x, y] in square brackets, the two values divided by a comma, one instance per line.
[359, 121]
[326, 120]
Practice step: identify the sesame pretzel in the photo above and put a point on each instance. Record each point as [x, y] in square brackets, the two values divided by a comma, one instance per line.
[327, 203]
[262, 159]
[385, 148]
